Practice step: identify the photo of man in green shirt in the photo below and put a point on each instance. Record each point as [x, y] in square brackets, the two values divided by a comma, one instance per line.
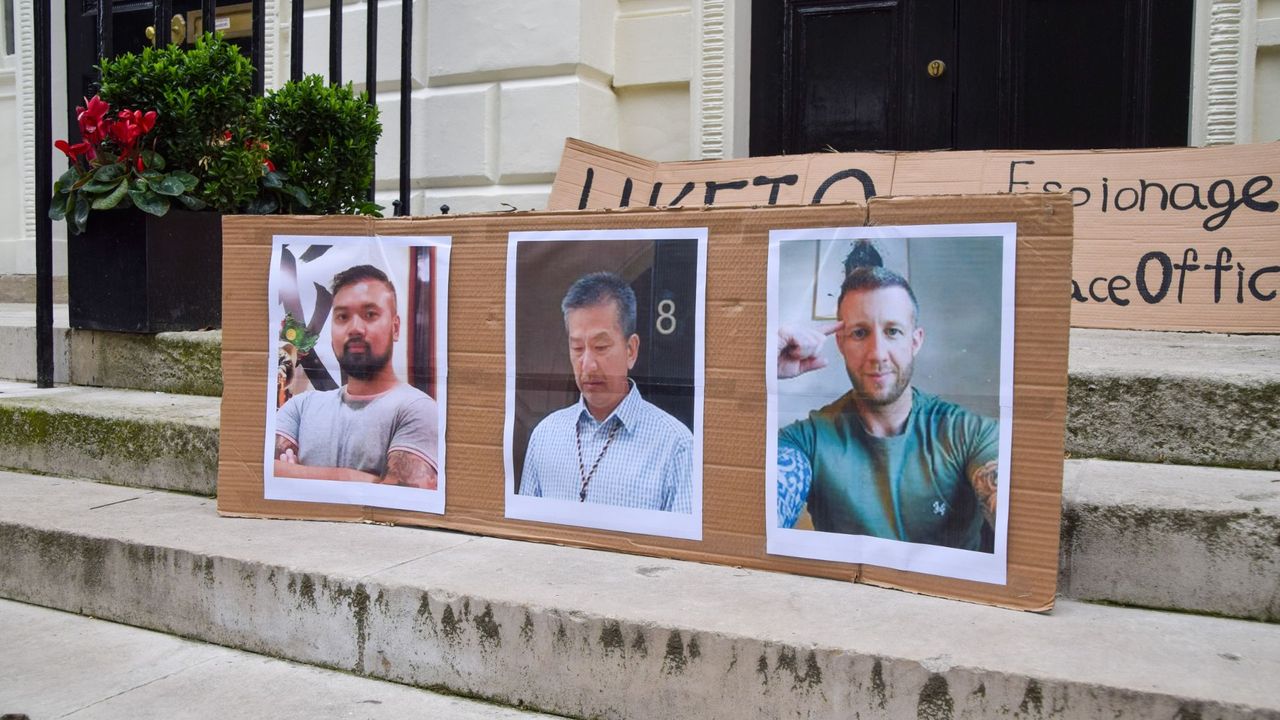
[886, 459]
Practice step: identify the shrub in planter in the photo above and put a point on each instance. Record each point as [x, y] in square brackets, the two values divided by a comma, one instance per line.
[208, 121]
[323, 138]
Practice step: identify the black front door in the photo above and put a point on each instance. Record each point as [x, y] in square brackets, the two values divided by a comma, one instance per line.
[968, 74]
[129, 22]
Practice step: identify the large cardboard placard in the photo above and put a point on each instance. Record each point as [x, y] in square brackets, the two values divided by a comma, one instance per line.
[734, 419]
[1167, 239]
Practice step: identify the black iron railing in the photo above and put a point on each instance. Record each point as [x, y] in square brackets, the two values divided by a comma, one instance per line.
[162, 10]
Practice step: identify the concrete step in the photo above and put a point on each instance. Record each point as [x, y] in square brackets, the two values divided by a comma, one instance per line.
[1184, 398]
[18, 340]
[185, 363]
[21, 288]
[597, 634]
[1165, 536]
[68, 665]
[125, 437]
[1170, 536]
[176, 362]
[1194, 399]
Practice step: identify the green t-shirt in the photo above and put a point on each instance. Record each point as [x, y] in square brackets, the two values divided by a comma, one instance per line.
[913, 487]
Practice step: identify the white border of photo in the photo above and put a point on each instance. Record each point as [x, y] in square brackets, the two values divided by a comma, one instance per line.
[594, 515]
[862, 549]
[360, 493]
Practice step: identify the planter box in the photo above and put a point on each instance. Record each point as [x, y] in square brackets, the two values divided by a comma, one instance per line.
[134, 272]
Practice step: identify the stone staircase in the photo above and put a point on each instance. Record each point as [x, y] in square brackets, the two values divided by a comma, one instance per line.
[1170, 566]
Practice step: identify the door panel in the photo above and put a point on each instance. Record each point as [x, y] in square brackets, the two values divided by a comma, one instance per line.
[843, 75]
[1019, 74]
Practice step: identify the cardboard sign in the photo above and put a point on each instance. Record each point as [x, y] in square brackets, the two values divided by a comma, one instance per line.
[1169, 239]
[735, 341]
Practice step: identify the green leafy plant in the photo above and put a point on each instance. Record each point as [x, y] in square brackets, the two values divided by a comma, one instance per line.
[295, 333]
[112, 166]
[324, 138]
[209, 123]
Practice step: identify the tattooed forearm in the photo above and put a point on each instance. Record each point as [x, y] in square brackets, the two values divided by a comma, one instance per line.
[984, 486]
[795, 475]
[404, 468]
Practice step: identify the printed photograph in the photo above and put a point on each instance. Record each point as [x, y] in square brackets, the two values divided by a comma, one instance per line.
[890, 358]
[356, 388]
[605, 379]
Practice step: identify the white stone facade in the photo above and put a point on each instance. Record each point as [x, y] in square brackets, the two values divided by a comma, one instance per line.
[499, 84]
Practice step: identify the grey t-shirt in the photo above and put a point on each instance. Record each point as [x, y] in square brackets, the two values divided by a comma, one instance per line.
[334, 429]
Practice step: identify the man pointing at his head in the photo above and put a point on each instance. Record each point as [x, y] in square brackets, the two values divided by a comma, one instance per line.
[886, 459]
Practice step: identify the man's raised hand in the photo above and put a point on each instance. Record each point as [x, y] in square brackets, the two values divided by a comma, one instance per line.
[799, 348]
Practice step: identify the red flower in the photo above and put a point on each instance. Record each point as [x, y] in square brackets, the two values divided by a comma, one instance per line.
[125, 133]
[271, 167]
[91, 118]
[74, 152]
[139, 164]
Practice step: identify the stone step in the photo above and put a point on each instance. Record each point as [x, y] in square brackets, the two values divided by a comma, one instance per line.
[175, 362]
[1193, 399]
[1172, 536]
[21, 288]
[1184, 398]
[185, 363]
[596, 634]
[18, 340]
[1165, 536]
[66, 665]
[125, 437]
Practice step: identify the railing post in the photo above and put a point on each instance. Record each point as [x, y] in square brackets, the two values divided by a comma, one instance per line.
[105, 29]
[335, 42]
[44, 186]
[371, 71]
[259, 10]
[162, 12]
[208, 16]
[406, 81]
[295, 39]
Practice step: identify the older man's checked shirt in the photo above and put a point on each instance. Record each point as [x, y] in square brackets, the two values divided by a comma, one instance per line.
[647, 466]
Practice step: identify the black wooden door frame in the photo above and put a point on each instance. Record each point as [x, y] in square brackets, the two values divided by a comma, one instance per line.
[978, 102]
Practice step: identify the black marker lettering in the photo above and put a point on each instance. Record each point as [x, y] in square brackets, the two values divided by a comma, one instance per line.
[1195, 197]
[1056, 186]
[1223, 264]
[868, 188]
[713, 187]
[1014, 166]
[1166, 276]
[1076, 294]
[1225, 206]
[1253, 283]
[776, 182]
[1164, 195]
[586, 189]
[1113, 286]
[1120, 193]
[1248, 195]
[1189, 256]
[1105, 192]
[1087, 195]
[688, 188]
[1239, 283]
[1093, 283]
